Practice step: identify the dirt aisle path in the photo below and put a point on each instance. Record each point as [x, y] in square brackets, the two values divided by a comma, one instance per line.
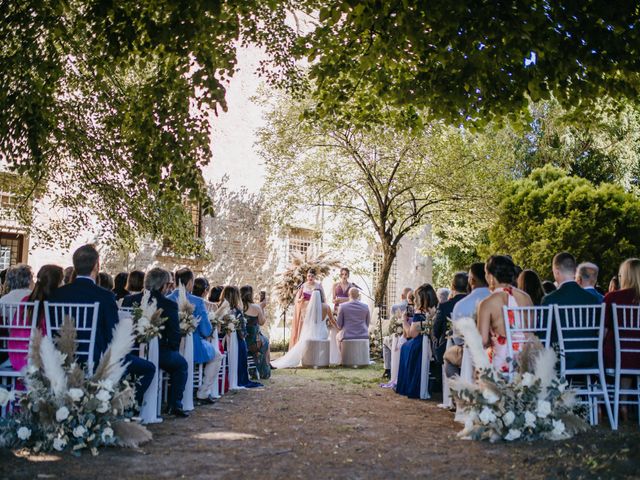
[333, 424]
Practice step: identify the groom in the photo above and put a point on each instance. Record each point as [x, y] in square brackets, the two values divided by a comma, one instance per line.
[353, 318]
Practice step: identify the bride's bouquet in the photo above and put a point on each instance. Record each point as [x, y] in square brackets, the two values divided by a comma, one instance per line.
[188, 322]
[534, 404]
[148, 321]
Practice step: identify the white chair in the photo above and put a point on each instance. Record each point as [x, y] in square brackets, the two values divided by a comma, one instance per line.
[222, 376]
[522, 322]
[447, 401]
[626, 329]
[20, 316]
[85, 319]
[186, 350]
[580, 337]
[424, 368]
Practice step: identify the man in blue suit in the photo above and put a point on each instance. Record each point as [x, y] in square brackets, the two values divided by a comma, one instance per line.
[158, 282]
[570, 293]
[587, 278]
[203, 351]
[86, 263]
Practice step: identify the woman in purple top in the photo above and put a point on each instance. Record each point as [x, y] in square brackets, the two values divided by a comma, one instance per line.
[341, 290]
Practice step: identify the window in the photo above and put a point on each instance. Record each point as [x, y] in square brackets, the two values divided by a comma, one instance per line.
[390, 294]
[10, 249]
[302, 242]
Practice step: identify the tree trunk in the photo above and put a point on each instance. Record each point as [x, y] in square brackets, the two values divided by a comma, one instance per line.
[389, 253]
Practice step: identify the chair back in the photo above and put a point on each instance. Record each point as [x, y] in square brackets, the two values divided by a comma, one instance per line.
[626, 329]
[580, 331]
[17, 322]
[85, 320]
[521, 322]
[125, 312]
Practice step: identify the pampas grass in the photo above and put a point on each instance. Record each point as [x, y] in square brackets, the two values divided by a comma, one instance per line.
[76, 377]
[466, 327]
[130, 434]
[52, 366]
[545, 369]
[527, 356]
[66, 341]
[35, 360]
[286, 285]
[112, 364]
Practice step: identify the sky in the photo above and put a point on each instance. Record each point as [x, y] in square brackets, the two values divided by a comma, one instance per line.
[234, 131]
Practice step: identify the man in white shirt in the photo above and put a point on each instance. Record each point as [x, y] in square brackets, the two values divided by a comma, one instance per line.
[467, 307]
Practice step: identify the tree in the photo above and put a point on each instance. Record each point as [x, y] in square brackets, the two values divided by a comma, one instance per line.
[382, 184]
[105, 105]
[470, 61]
[549, 212]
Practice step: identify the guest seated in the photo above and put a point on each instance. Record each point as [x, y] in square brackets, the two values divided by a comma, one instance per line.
[257, 342]
[587, 278]
[158, 282]
[529, 281]
[466, 308]
[18, 283]
[231, 295]
[119, 284]
[548, 287]
[86, 264]
[203, 351]
[105, 281]
[443, 314]
[499, 272]
[135, 282]
[443, 295]
[409, 372]
[629, 294]
[353, 318]
[200, 287]
[570, 293]
[49, 279]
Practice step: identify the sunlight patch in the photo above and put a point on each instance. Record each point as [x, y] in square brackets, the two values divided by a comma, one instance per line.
[226, 436]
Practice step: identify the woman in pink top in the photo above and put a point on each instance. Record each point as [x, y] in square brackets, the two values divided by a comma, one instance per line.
[49, 278]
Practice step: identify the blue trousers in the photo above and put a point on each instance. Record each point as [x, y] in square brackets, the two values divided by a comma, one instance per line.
[176, 366]
[143, 371]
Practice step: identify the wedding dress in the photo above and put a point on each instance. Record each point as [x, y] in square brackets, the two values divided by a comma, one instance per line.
[314, 327]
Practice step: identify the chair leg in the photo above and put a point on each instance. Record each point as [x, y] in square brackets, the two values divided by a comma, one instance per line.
[616, 398]
[612, 420]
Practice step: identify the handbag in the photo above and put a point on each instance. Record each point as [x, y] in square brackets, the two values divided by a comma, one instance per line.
[453, 355]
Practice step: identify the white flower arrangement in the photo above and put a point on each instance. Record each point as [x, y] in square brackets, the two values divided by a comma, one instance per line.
[188, 322]
[534, 404]
[6, 396]
[147, 319]
[229, 323]
[395, 327]
[216, 316]
[65, 407]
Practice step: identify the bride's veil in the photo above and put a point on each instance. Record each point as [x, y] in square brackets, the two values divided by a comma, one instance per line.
[313, 328]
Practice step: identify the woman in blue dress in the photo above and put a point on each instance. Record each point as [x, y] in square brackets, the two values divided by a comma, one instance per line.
[257, 342]
[232, 296]
[426, 303]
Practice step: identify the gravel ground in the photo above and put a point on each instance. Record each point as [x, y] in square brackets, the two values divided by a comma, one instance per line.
[333, 423]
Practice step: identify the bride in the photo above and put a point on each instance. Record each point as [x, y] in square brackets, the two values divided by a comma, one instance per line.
[316, 324]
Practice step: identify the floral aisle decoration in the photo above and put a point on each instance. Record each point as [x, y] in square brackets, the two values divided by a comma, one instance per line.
[229, 323]
[426, 326]
[147, 319]
[188, 321]
[375, 345]
[395, 326]
[216, 316]
[288, 282]
[534, 404]
[64, 407]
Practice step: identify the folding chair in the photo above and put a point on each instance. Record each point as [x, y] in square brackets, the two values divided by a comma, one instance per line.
[626, 329]
[85, 319]
[17, 323]
[580, 338]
